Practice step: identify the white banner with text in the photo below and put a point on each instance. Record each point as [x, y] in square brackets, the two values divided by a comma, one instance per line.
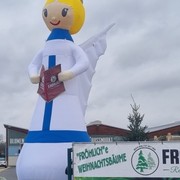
[126, 159]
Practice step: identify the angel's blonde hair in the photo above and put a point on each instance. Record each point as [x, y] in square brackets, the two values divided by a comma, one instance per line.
[79, 13]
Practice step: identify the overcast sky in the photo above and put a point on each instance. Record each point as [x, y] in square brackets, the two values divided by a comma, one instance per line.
[142, 59]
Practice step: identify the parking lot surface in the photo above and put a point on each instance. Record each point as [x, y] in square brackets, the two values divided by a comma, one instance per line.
[8, 173]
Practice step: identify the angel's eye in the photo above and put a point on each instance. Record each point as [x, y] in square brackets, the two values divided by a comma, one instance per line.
[64, 12]
[45, 12]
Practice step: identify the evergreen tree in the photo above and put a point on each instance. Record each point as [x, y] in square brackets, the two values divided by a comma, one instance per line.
[137, 132]
[142, 162]
[151, 161]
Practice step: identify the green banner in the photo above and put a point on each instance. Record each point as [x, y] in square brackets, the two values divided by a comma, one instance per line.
[109, 178]
[99, 178]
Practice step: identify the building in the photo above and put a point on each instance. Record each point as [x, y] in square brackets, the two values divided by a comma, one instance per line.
[105, 133]
[98, 132]
[165, 132]
[14, 141]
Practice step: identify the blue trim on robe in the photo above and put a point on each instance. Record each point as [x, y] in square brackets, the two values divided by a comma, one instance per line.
[58, 33]
[47, 116]
[57, 136]
[48, 105]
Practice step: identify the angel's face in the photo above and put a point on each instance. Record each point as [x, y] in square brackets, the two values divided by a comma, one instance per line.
[58, 15]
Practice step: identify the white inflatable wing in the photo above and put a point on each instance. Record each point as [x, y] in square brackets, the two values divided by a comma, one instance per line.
[94, 48]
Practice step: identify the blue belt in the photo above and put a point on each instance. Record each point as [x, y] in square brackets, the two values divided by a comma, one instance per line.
[57, 136]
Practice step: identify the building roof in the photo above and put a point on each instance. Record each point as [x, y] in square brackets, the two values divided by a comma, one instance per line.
[22, 130]
[97, 128]
[97, 122]
[166, 126]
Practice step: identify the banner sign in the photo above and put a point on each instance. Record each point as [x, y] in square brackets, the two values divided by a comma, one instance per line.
[126, 160]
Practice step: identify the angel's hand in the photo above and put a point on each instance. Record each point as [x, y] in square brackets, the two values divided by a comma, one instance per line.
[66, 75]
[35, 79]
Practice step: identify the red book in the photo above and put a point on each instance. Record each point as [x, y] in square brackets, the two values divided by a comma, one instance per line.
[50, 87]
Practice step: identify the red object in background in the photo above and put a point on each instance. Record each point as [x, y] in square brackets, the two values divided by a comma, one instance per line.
[50, 87]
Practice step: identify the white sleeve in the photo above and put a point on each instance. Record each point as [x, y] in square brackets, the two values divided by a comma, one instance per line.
[81, 61]
[35, 65]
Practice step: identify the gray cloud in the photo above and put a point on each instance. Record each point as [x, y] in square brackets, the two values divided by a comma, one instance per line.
[142, 59]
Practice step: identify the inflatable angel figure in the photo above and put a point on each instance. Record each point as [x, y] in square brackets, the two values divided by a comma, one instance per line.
[59, 121]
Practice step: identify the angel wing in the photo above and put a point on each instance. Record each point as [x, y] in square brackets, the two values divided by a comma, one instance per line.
[94, 48]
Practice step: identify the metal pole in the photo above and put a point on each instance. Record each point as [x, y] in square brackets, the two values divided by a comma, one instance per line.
[7, 146]
[69, 168]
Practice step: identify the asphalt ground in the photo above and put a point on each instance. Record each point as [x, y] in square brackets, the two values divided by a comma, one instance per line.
[8, 173]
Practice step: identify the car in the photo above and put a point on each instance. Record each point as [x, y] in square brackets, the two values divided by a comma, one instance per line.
[3, 162]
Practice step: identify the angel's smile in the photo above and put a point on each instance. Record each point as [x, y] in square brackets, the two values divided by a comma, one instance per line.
[55, 24]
